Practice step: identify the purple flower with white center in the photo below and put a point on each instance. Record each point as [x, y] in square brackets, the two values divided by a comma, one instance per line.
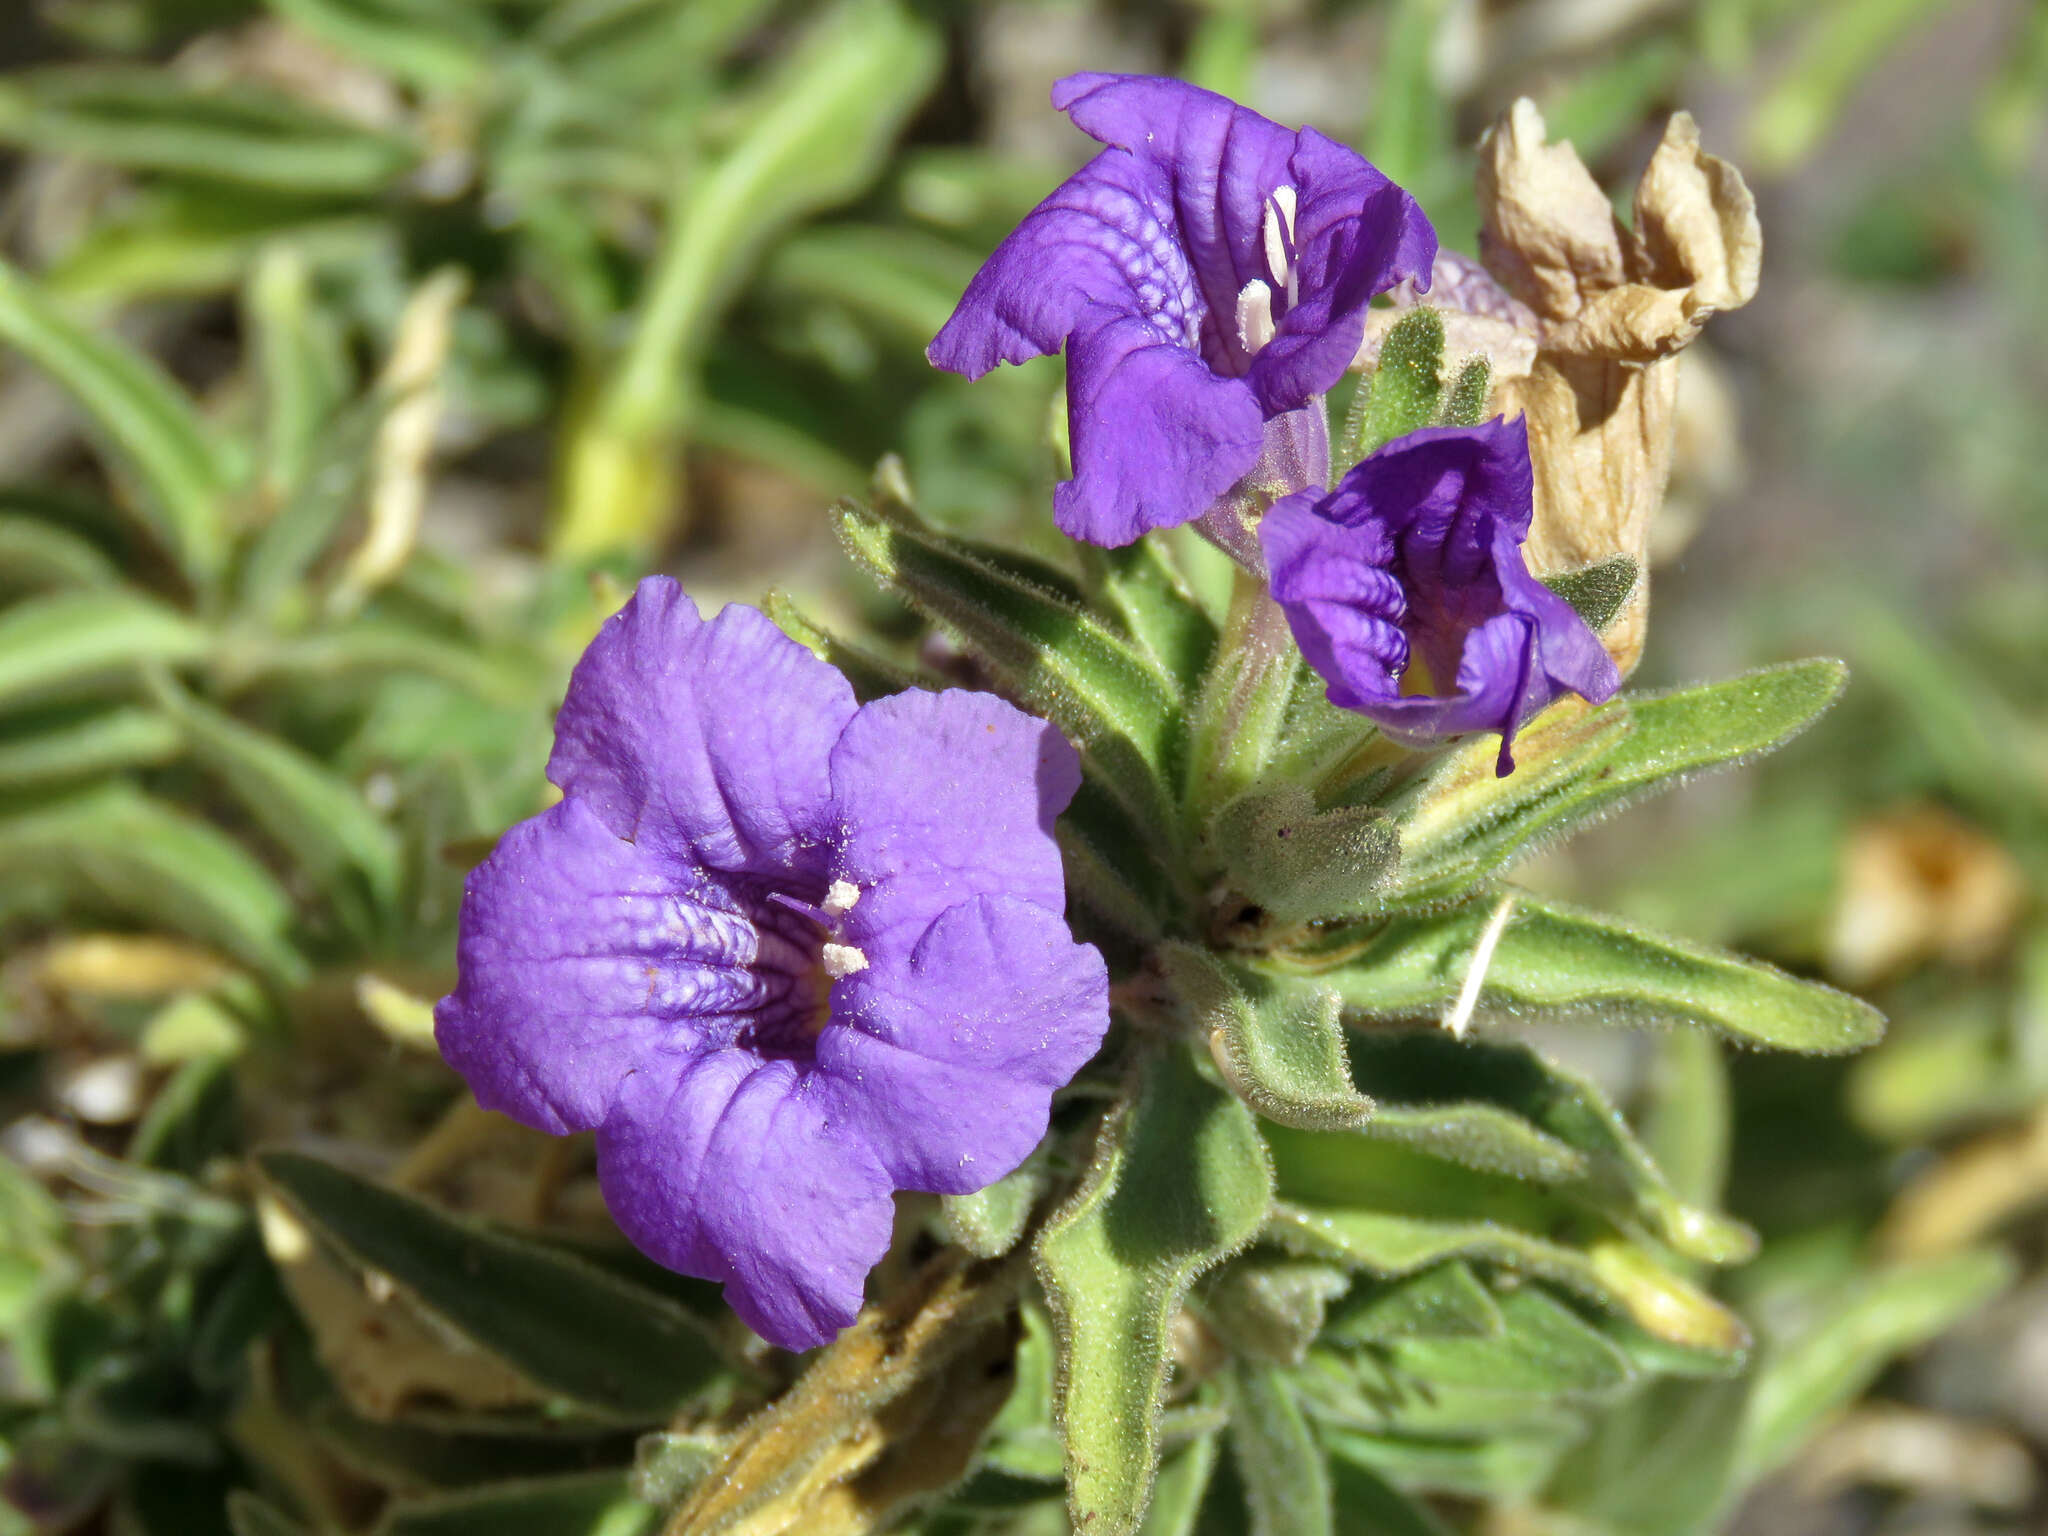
[1406, 589]
[1208, 274]
[783, 953]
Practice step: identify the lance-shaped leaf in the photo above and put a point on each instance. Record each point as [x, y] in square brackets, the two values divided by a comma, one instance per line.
[116, 846]
[1555, 960]
[605, 1344]
[1301, 864]
[106, 742]
[1157, 608]
[178, 470]
[1544, 1349]
[1508, 1467]
[872, 676]
[1286, 1479]
[1047, 652]
[1444, 1301]
[321, 820]
[150, 119]
[592, 1502]
[1179, 1181]
[1602, 1265]
[1277, 1042]
[64, 641]
[37, 553]
[1461, 823]
[1504, 1107]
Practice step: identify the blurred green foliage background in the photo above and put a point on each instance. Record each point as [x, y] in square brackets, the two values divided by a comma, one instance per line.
[354, 352]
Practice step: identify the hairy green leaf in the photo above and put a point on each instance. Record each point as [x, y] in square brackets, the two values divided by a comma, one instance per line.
[1597, 592]
[1556, 960]
[1300, 864]
[606, 1344]
[1402, 394]
[106, 742]
[1150, 597]
[36, 553]
[1445, 1300]
[1286, 1481]
[1178, 1182]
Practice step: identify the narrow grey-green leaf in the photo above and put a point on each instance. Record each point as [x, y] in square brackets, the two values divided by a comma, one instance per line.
[1880, 1316]
[440, 48]
[1368, 1505]
[1286, 1481]
[117, 846]
[37, 553]
[1597, 592]
[1661, 1464]
[107, 742]
[605, 1343]
[1158, 609]
[1556, 960]
[141, 415]
[1460, 824]
[320, 819]
[64, 639]
[1184, 1478]
[1049, 654]
[1278, 1045]
[581, 1504]
[1505, 1467]
[1445, 1300]
[151, 119]
[1545, 1349]
[1179, 1181]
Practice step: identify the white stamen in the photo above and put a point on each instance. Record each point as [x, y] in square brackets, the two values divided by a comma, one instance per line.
[1460, 1016]
[839, 900]
[1278, 234]
[1254, 316]
[842, 960]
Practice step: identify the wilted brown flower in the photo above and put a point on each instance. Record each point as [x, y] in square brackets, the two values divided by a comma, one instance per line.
[1614, 306]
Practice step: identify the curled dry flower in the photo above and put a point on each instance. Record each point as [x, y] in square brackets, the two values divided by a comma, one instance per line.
[1406, 589]
[1208, 275]
[1614, 306]
[782, 953]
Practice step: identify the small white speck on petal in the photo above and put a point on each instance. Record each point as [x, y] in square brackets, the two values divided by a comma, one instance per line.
[842, 960]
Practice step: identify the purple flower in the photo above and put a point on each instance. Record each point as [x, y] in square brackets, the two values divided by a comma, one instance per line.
[1207, 273]
[784, 954]
[1406, 590]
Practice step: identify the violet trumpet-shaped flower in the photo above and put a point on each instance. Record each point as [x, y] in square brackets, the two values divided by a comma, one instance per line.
[783, 953]
[1208, 274]
[1406, 589]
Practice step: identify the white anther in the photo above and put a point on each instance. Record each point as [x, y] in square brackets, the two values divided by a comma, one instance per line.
[842, 960]
[840, 898]
[1278, 233]
[1254, 316]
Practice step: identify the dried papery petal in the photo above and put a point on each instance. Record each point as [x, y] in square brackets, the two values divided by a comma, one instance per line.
[1614, 307]
[1920, 884]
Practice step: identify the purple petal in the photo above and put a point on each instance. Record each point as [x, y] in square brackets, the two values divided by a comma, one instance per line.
[949, 1052]
[583, 959]
[735, 1170]
[711, 739]
[1358, 235]
[1342, 602]
[944, 797]
[1156, 436]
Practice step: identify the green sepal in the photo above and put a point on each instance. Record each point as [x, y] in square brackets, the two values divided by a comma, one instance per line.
[1556, 960]
[1597, 592]
[1285, 1477]
[1399, 396]
[1300, 864]
[1461, 822]
[1466, 399]
[990, 1222]
[1270, 1308]
[1179, 1181]
[604, 1344]
[1277, 1043]
[1044, 650]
